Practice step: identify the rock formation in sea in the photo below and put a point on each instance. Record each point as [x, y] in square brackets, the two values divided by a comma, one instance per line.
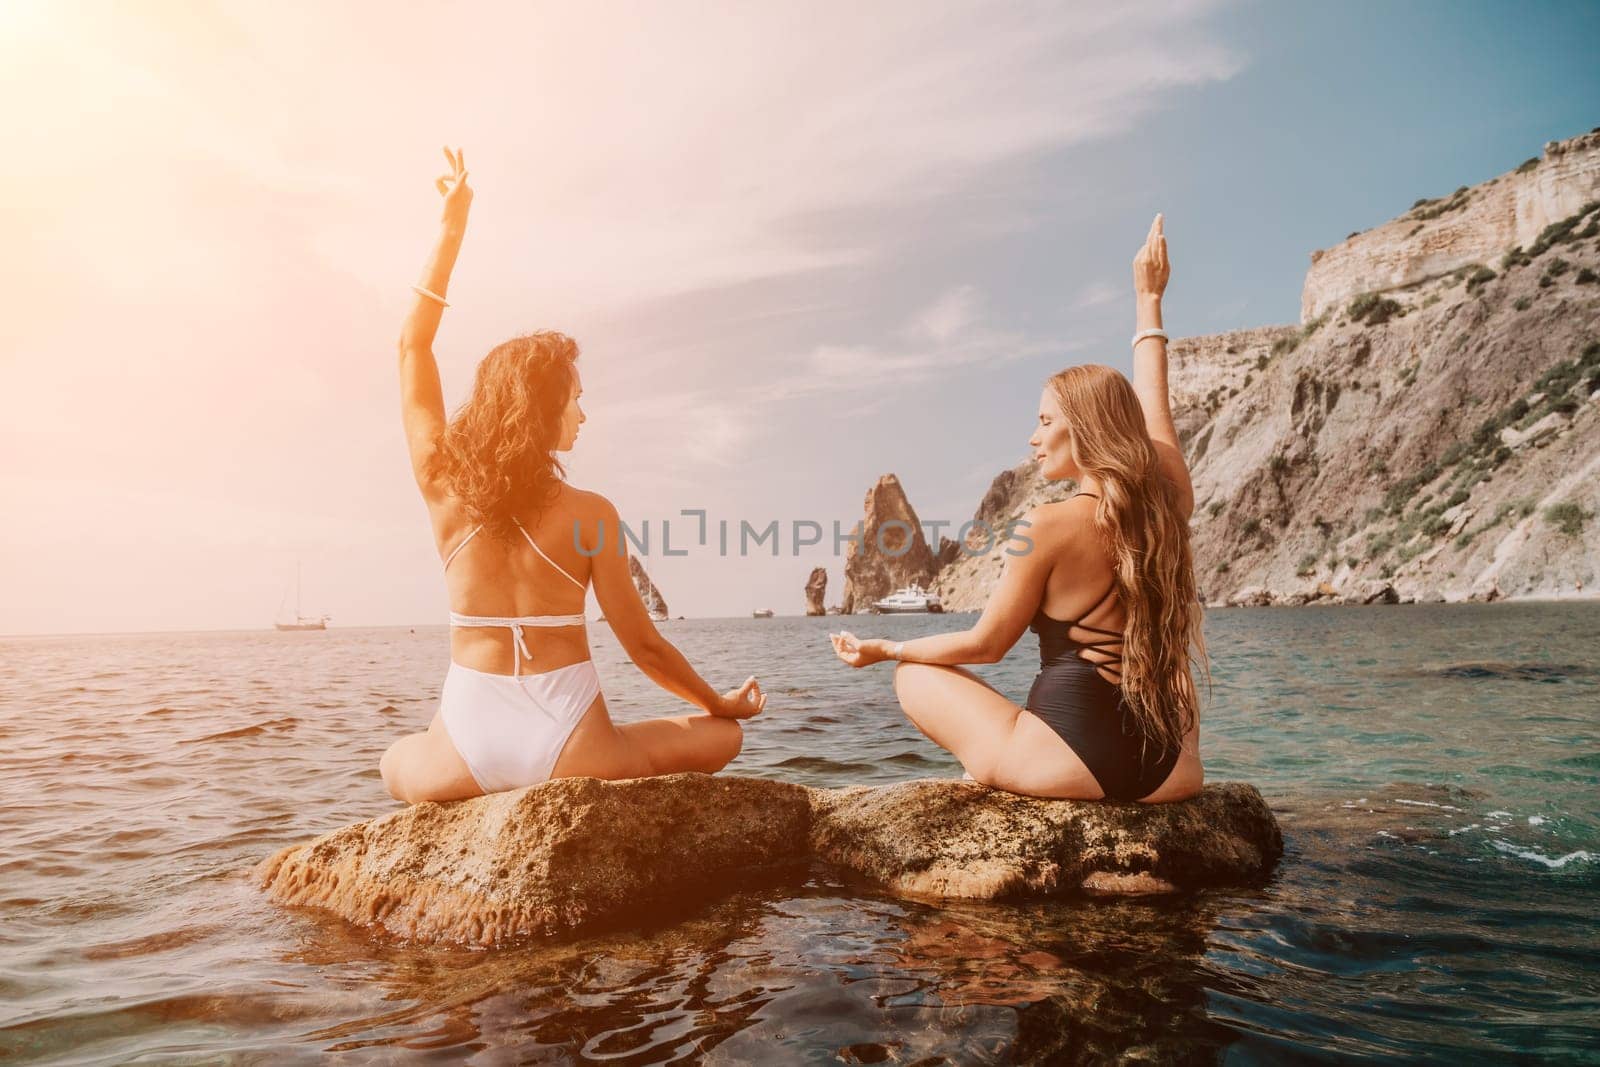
[816, 589]
[1429, 431]
[581, 853]
[654, 602]
[892, 551]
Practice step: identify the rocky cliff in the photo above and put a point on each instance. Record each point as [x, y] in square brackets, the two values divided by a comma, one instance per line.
[892, 551]
[1442, 436]
[1470, 226]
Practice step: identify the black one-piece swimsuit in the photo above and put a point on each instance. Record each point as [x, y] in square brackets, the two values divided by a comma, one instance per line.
[1087, 712]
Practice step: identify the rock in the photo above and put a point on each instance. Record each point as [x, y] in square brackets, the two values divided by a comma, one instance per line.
[816, 589]
[565, 855]
[1545, 427]
[580, 853]
[1325, 589]
[1293, 600]
[943, 839]
[1251, 596]
[1459, 521]
[892, 551]
[1372, 591]
[654, 602]
[1429, 596]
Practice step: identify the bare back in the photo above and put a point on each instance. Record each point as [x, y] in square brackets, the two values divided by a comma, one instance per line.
[1080, 574]
[509, 578]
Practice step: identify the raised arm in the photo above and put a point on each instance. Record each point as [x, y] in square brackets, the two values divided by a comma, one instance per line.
[1151, 269]
[421, 395]
[653, 654]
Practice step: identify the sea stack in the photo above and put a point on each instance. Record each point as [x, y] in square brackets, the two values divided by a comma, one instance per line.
[892, 551]
[816, 589]
[654, 602]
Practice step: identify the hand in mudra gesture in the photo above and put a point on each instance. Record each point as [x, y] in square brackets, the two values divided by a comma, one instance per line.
[742, 703]
[1151, 268]
[453, 187]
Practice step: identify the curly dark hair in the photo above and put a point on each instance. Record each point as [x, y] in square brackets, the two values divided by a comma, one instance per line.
[498, 452]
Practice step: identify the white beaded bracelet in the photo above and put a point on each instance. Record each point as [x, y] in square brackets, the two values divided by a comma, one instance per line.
[431, 295]
[1142, 334]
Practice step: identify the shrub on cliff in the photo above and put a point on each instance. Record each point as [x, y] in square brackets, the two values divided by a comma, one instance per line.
[1372, 309]
[1432, 209]
[1568, 517]
[1564, 230]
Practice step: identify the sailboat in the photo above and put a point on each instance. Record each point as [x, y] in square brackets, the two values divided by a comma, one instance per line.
[301, 622]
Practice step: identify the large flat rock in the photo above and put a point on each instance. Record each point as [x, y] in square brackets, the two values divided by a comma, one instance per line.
[579, 852]
[936, 838]
[564, 855]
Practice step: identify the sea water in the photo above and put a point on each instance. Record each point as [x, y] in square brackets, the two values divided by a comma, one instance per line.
[1434, 770]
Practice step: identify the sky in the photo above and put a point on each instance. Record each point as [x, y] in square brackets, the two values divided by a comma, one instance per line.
[801, 246]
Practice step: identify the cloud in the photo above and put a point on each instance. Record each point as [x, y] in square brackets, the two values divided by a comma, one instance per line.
[946, 316]
[210, 248]
[1098, 294]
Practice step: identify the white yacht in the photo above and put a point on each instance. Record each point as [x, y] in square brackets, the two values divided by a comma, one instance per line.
[762, 613]
[913, 598]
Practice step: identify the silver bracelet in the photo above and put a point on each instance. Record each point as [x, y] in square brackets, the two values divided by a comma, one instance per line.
[431, 295]
[1142, 334]
[899, 647]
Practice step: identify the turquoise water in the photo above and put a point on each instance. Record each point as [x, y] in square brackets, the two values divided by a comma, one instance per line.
[1433, 767]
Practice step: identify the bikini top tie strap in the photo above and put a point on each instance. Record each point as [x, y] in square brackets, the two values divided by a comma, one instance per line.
[515, 625]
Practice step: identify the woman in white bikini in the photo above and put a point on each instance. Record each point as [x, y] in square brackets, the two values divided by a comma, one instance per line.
[496, 493]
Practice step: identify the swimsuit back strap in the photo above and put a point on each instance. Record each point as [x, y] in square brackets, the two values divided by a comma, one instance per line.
[1096, 605]
[462, 545]
[529, 538]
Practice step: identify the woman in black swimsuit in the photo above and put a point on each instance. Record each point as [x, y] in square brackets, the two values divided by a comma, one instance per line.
[1105, 578]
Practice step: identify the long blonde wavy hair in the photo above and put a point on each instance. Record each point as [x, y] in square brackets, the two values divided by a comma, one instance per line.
[497, 454]
[1140, 521]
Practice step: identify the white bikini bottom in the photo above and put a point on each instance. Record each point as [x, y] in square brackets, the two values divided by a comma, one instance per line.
[510, 729]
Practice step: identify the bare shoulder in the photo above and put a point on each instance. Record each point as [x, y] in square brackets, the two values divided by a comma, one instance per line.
[592, 516]
[1066, 530]
[1064, 518]
[588, 505]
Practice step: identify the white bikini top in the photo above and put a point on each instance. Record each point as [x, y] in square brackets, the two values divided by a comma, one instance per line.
[515, 624]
